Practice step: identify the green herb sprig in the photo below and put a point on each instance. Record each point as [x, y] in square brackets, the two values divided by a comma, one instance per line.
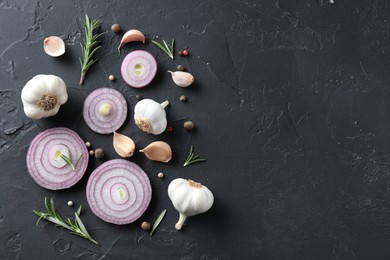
[76, 227]
[69, 161]
[165, 48]
[89, 46]
[158, 221]
[192, 158]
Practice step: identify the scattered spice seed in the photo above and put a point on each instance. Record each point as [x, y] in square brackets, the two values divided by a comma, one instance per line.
[70, 203]
[92, 153]
[180, 53]
[160, 175]
[138, 97]
[169, 129]
[189, 125]
[185, 52]
[180, 67]
[99, 153]
[111, 77]
[145, 226]
[88, 144]
[116, 28]
[183, 98]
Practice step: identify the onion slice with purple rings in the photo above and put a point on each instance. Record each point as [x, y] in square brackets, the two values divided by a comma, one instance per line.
[43, 163]
[105, 110]
[119, 192]
[138, 68]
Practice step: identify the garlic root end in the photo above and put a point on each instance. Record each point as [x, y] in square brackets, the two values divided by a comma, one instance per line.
[180, 223]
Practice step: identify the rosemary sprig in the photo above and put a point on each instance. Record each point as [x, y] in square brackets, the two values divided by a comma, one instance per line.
[89, 46]
[69, 160]
[192, 158]
[76, 227]
[165, 48]
[158, 221]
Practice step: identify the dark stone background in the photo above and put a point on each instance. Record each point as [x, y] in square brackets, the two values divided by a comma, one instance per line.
[291, 104]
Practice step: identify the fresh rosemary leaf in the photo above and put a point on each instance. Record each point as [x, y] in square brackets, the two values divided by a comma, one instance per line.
[89, 46]
[77, 227]
[165, 48]
[158, 221]
[68, 161]
[192, 158]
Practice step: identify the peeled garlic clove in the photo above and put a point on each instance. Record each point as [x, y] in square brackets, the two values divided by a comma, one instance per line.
[181, 78]
[158, 151]
[123, 145]
[54, 46]
[132, 36]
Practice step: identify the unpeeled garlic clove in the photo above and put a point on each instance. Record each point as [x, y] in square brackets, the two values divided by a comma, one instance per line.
[123, 145]
[181, 78]
[54, 46]
[132, 36]
[158, 151]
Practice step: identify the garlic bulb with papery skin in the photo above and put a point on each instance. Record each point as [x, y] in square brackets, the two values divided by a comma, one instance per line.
[43, 95]
[150, 116]
[189, 198]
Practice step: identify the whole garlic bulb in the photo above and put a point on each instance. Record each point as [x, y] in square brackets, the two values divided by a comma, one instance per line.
[43, 95]
[189, 198]
[150, 116]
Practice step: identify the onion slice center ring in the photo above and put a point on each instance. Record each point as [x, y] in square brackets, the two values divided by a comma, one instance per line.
[50, 172]
[119, 192]
[105, 110]
[138, 68]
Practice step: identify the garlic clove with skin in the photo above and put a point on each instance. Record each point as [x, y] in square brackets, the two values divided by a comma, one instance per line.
[54, 46]
[123, 145]
[189, 198]
[158, 151]
[181, 78]
[132, 36]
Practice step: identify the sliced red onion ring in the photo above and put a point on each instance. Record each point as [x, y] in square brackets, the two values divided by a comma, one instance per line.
[138, 68]
[119, 192]
[105, 110]
[42, 165]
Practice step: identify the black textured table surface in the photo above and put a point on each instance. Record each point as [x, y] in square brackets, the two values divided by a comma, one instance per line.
[291, 103]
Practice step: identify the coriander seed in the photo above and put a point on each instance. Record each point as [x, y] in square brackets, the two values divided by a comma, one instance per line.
[145, 226]
[180, 67]
[116, 28]
[189, 125]
[99, 153]
[183, 98]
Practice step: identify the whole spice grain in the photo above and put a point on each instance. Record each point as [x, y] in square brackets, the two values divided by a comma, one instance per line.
[145, 226]
[180, 67]
[116, 28]
[183, 98]
[189, 125]
[99, 153]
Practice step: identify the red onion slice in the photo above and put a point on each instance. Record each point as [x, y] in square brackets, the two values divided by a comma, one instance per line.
[41, 167]
[113, 119]
[119, 192]
[138, 68]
